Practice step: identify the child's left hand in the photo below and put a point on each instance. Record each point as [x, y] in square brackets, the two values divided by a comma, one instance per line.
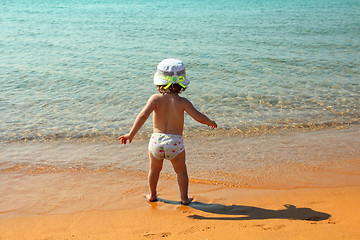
[124, 138]
[213, 124]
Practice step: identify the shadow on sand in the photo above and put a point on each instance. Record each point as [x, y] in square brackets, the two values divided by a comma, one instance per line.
[238, 212]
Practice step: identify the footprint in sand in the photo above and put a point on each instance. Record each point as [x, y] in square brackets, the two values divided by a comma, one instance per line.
[274, 228]
[271, 228]
[156, 235]
[332, 221]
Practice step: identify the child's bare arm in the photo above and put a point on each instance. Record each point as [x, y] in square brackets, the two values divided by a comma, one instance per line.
[139, 121]
[198, 116]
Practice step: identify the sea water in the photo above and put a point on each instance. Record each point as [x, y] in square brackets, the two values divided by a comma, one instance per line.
[72, 68]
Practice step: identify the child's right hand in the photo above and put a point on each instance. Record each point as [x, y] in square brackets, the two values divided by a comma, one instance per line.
[124, 138]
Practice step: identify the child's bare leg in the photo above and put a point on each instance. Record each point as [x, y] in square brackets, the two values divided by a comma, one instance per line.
[153, 177]
[182, 177]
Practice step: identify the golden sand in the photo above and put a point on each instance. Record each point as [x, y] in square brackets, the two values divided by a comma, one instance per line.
[77, 209]
[273, 187]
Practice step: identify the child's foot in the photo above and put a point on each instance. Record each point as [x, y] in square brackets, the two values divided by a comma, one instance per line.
[151, 199]
[187, 202]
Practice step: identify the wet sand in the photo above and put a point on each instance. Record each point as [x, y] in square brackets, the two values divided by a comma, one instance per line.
[290, 186]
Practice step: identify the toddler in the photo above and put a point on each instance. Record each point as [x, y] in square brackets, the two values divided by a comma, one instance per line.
[168, 122]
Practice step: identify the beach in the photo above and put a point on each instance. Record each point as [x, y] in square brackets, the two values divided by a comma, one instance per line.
[280, 78]
[217, 212]
[77, 200]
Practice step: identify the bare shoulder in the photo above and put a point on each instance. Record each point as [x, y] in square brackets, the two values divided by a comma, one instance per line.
[152, 101]
[185, 101]
[154, 97]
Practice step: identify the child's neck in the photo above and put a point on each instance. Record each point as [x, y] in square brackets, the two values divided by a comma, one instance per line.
[167, 91]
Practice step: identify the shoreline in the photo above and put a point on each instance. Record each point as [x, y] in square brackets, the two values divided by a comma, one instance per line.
[276, 161]
[194, 132]
[283, 186]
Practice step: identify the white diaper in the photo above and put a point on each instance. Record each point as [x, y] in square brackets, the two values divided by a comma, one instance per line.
[166, 146]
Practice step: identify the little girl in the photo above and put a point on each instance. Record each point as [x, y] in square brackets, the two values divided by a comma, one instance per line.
[166, 141]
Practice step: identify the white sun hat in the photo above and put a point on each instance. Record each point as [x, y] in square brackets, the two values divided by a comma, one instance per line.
[171, 71]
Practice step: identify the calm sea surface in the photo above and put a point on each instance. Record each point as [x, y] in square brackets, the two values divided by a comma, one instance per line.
[71, 68]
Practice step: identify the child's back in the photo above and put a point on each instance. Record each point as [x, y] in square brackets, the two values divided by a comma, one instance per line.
[168, 109]
[168, 114]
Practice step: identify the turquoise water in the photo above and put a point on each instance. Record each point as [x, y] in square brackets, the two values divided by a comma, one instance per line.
[81, 68]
